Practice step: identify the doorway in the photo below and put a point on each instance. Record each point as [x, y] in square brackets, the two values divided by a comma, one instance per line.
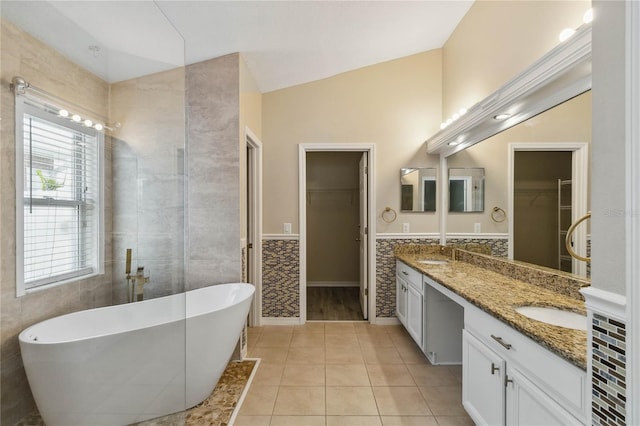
[336, 262]
[547, 193]
[253, 260]
[542, 207]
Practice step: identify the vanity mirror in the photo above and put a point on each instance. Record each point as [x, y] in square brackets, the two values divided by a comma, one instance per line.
[550, 113]
[466, 190]
[418, 189]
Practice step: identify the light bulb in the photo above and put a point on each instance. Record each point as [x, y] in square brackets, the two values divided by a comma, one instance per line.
[462, 111]
[565, 34]
[98, 126]
[449, 121]
[63, 113]
[456, 116]
[588, 16]
[443, 125]
[503, 116]
[88, 123]
[76, 118]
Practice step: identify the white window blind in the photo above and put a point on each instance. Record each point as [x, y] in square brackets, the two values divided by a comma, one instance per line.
[60, 197]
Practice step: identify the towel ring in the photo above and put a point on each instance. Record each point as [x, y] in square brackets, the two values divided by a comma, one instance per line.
[387, 210]
[567, 240]
[499, 211]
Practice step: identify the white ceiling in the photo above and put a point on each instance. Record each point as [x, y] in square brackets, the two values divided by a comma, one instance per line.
[283, 42]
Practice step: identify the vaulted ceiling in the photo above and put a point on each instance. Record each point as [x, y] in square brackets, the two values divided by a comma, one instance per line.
[283, 42]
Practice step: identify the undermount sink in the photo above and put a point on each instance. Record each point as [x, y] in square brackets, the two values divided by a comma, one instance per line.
[433, 262]
[555, 316]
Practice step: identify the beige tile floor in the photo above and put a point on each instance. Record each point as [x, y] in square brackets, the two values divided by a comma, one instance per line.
[345, 373]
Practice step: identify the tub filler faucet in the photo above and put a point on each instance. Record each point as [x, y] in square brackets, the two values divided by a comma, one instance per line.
[135, 283]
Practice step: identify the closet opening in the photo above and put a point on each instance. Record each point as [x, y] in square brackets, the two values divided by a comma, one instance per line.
[337, 250]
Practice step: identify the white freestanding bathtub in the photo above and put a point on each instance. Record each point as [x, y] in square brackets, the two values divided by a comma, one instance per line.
[127, 363]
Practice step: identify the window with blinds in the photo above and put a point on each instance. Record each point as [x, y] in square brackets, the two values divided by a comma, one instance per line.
[61, 197]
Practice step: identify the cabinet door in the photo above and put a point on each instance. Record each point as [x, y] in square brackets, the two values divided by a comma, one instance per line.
[483, 390]
[401, 300]
[414, 314]
[528, 405]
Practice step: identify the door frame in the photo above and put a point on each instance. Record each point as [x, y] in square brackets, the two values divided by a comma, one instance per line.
[579, 192]
[254, 222]
[371, 212]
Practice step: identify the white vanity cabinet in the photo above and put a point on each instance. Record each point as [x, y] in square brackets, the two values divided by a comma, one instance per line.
[509, 379]
[409, 300]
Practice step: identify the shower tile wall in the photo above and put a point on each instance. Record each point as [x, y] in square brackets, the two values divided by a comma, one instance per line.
[25, 56]
[213, 168]
[148, 181]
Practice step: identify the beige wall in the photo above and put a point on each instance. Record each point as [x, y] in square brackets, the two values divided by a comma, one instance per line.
[43, 67]
[251, 118]
[568, 122]
[498, 39]
[394, 105]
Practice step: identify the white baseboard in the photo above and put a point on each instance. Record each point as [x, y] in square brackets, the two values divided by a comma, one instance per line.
[407, 235]
[333, 284]
[387, 321]
[280, 321]
[280, 236]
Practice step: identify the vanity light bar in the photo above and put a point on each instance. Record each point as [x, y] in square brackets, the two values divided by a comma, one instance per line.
[568, 32]
[453, 118]
[44, 99]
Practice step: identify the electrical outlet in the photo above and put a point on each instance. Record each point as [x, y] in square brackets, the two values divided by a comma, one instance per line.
[476, 227]
[405, 227]
[287, 228]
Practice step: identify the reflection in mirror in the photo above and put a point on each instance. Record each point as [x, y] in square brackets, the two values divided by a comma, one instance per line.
[418, 189]
[466, 190]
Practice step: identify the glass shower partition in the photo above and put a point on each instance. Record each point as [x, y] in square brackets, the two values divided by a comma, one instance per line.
[136, 84]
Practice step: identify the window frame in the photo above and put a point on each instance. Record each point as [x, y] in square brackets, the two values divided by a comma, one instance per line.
[25, 104]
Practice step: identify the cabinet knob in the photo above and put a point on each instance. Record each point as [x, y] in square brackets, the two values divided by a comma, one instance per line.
[494, 368]
[502, 342]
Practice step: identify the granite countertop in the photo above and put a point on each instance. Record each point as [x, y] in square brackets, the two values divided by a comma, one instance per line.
[499, 295]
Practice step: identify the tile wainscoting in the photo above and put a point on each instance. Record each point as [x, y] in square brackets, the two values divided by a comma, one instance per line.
[608, 365]
[281, 271]
[280, 278]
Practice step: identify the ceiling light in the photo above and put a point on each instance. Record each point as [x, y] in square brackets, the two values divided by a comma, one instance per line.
[503, 116]
[566, 33]
[63, 113]
[462, 111]
[443, 125]
[76, 118]
[98, 126]
[588, 16]
[88, 123]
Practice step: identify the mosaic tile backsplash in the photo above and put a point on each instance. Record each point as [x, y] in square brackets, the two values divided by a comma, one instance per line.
[386, 273]
[499, 246]
[608, 405]
[280, 278]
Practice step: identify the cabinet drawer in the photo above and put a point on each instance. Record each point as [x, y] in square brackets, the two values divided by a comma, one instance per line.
[560, 379]
[413, 277]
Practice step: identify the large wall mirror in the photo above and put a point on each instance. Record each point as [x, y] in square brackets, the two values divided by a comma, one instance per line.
[466, 190]
[536, 161]
[418, 189]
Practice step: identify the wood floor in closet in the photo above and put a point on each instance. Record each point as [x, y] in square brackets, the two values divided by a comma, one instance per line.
[334, 304]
